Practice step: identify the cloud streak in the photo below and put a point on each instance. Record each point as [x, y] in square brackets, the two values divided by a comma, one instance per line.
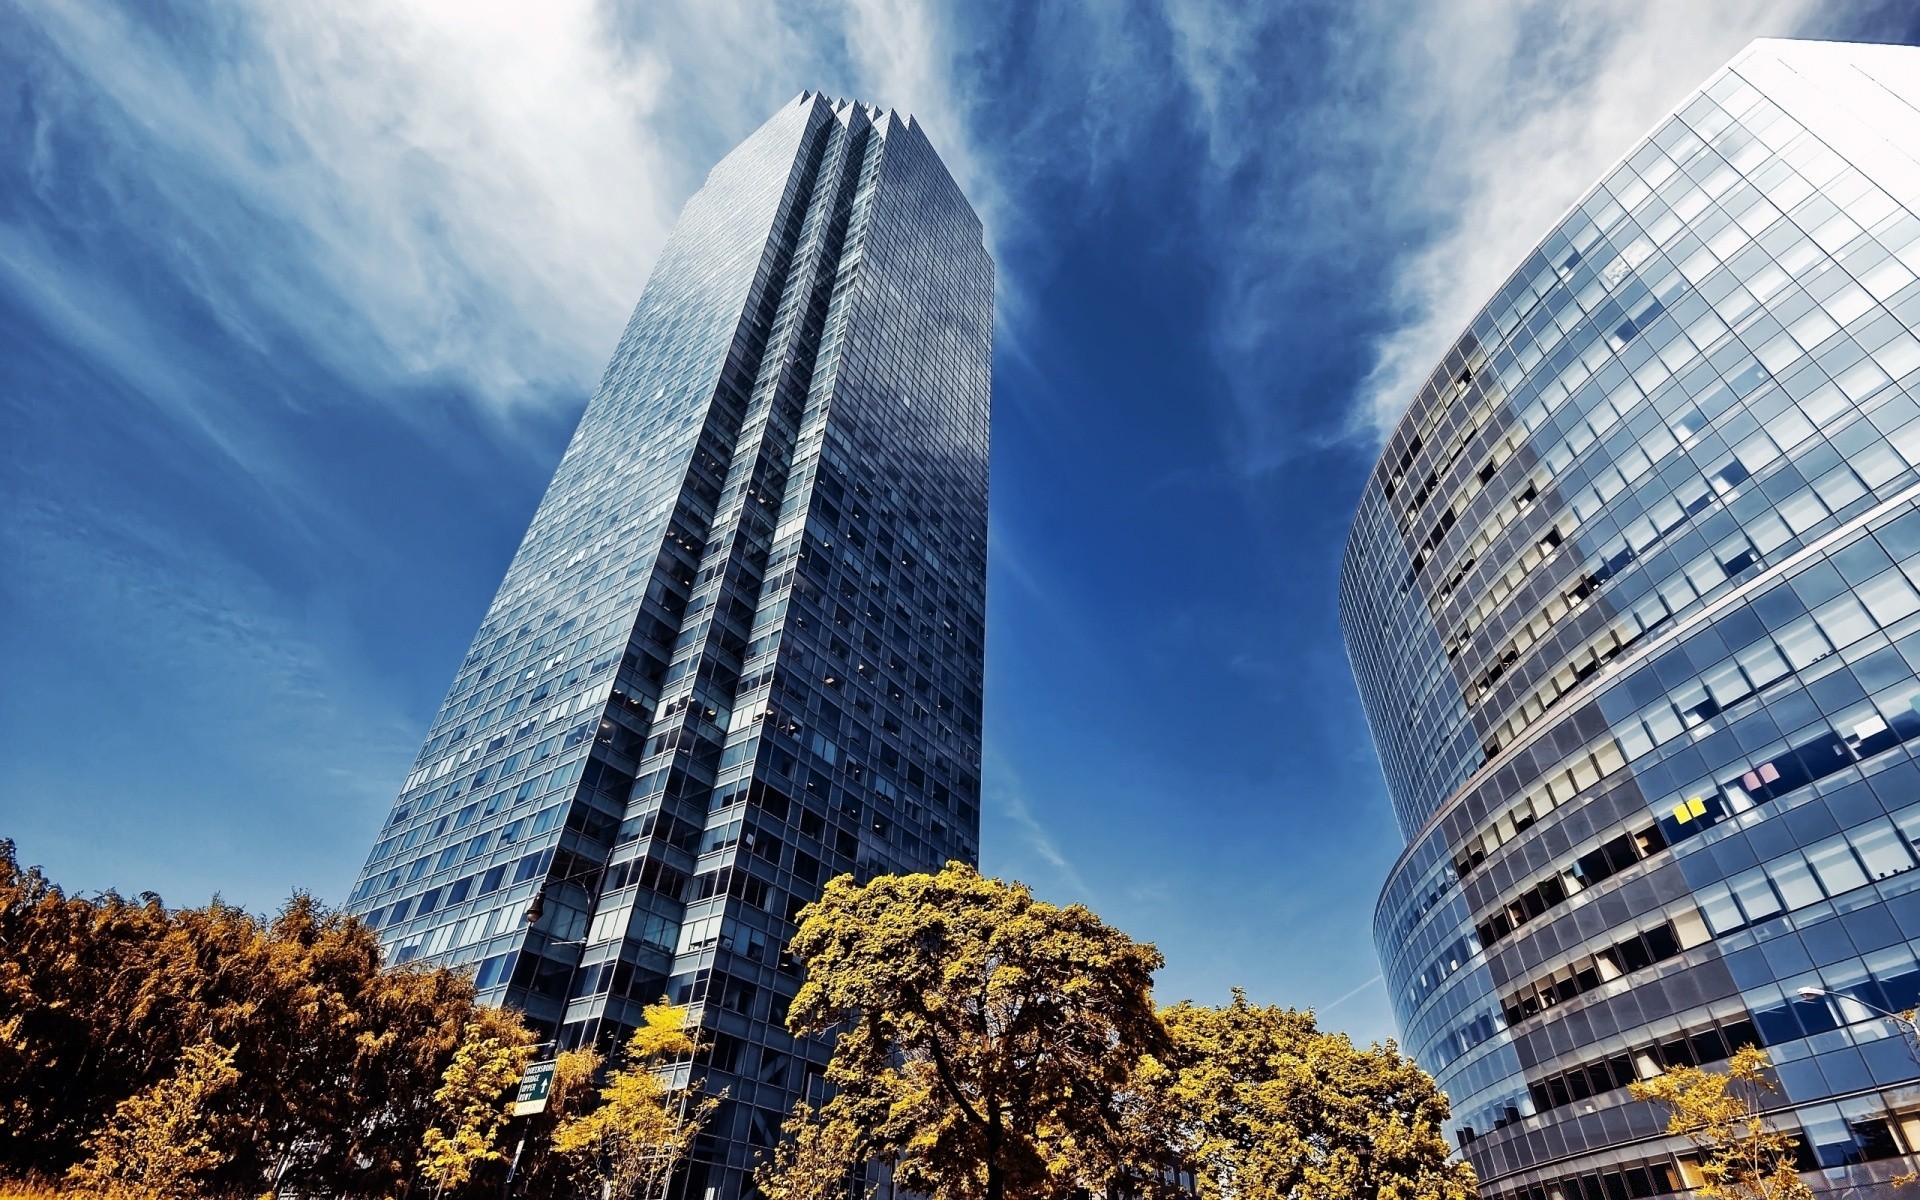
[1511, 132]
[1006, 794]
[461, 193]
[1411, 155]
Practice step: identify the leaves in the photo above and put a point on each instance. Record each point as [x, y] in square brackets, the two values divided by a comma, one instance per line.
[337, 1061]
[991, 1045]
[472, 1101]
[987, 1040]
[160, 1144]
[643, 1128]
[1742, 1157]
[1256, 1103]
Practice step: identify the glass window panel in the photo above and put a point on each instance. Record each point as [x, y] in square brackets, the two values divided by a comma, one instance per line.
[1838, 870]
[1718, 907]
[1888, 596]
[1844, 620]
[1762, 663]
[1756, 894]
[1881, 849]
[1803, 643]
[1725, 683]
[1795, 881]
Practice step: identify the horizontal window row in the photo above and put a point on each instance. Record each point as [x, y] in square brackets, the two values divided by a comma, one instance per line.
[1826, 1137]
[1579, 874]
[1493, 595]
[1600, 863]
[1655, 945]
[1819, 757]
[1828, 868]
[1852, 992]
[1470, 426]
[471, 886]
[1793, 645]
[1443, 967]
[1474, 1031]
[1697, 1048]
[1832, 491]
[1659, 1178]
[1566, 780]
[528, 789]
[1682, 590]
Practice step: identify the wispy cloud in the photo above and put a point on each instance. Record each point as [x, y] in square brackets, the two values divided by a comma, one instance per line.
[155, 623]
[1517, 109]
[469, 193]
[1413, 153]
[1006, 796]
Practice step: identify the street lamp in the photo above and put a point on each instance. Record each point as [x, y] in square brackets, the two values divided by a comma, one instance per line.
[1909, 1028]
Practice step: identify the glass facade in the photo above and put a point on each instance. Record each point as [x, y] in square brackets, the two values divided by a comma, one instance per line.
[1633, 601]
[739, 651]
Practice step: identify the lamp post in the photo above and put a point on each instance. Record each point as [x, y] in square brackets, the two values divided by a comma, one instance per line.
[1905, 1022]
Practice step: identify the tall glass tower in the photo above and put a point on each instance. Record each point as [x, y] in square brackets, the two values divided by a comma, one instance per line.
[739, 651]
[1631, 600]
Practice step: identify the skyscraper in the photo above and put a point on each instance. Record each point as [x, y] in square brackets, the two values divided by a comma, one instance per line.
[1631, 600]
[739, 651]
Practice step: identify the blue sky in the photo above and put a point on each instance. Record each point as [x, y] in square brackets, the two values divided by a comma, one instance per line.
[299, 303]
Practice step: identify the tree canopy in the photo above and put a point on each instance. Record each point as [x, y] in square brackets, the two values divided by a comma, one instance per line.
[1258, 1103]
[993, 1046]
[284, 1044]
[986, 1040]
[1742, 1156]
[987, 1045]
[643, 1128]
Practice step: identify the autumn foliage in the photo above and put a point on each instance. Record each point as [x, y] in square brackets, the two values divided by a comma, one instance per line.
[1742, 1156]
[204, 1051]
[987, 1046]
[992, 1046]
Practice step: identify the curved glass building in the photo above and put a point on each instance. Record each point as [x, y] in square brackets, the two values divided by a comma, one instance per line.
[1631, 598]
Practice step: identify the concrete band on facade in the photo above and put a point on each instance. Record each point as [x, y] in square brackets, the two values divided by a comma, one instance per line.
[1633, 601]
[740, 650]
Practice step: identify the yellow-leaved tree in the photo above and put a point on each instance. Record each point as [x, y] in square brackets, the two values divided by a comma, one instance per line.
[1742, 1156]
[471, 1102]
[545, 1174]
[159, 1144]
[644, 1126]
[1258, 1103]
[988, 1041]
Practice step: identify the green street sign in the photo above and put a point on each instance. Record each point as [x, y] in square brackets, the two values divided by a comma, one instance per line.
[534, 1086]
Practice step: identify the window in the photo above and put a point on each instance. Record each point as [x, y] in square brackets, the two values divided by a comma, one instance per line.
[1795, 881]
[1755, 894]
[1833, 861]
[1881, 849]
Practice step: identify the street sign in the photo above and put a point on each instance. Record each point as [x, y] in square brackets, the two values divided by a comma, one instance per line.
[534, 1086]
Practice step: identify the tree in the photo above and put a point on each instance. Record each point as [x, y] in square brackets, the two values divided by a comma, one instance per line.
[1742, 1157]
[987, 1041]
[1258, 1103]
[491, 1058]
[337, 1056]
[543, 1174]
[159, 1144]
[644, 1127]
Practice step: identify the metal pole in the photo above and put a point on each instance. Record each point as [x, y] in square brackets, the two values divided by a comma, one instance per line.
[513, 1168]
[1908, 1029]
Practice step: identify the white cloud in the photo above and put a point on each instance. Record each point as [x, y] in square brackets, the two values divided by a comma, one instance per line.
[461, 191]
[1518, 108]
[1035, 853]
[1420, 150]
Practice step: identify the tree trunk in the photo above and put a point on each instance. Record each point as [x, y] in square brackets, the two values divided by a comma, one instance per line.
[996, 1181]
